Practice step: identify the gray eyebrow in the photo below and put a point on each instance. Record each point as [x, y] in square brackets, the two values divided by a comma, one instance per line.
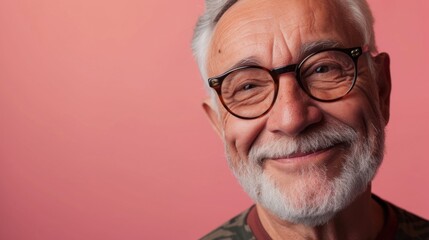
[247, 62]
[311, 47]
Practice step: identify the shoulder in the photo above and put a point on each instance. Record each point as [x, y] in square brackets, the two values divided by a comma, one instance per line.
[234, 229]
[410, 226]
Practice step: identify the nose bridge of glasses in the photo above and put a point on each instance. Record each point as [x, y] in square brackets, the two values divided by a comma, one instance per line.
[291, 90]
[285, 69]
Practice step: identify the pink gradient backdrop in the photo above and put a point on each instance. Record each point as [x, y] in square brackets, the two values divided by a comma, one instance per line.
[102, 135]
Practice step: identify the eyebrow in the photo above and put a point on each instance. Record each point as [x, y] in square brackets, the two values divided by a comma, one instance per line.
[248, 61]
[311, 47]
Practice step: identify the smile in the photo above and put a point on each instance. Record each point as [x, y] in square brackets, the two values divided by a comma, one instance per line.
[319, 156]
[304, 154]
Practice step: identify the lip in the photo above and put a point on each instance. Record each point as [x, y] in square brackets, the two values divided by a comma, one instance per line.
[322, 156]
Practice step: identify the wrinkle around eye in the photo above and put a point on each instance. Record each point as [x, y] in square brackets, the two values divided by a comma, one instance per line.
[253, 98]
[242, 95]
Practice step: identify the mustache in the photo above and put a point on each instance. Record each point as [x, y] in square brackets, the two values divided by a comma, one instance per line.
[329, 135]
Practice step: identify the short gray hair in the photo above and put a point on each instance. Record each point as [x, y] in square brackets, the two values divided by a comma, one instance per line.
[357, 11]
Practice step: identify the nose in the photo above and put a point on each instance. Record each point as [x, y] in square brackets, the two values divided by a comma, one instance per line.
[294, 111]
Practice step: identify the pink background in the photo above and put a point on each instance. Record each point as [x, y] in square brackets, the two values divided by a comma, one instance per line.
[102, 134]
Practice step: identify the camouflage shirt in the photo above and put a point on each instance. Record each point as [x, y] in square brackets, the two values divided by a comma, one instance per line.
[407, 226]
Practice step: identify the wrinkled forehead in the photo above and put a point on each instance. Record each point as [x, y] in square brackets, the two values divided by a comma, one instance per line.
[267, 28]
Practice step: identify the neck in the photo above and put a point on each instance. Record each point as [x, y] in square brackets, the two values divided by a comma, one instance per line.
[362, 219]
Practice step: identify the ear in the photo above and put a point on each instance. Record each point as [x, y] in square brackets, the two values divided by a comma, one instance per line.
[211, 111]
[382, 62]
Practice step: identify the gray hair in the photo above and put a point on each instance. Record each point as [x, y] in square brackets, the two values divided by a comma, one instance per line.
[358, 14]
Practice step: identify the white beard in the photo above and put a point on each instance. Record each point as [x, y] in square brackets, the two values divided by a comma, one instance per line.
[312, 199]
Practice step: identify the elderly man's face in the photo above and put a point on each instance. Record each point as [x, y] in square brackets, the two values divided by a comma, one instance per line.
[301, 147]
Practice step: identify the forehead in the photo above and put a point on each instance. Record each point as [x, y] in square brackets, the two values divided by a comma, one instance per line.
[272, 32]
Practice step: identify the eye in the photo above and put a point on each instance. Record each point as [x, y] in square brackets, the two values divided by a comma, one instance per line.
[322, 69]
[248, 86]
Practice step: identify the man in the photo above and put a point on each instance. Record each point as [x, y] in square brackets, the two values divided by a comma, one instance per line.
[300, 97]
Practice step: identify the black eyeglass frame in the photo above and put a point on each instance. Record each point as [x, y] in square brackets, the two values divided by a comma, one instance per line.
[216, 82]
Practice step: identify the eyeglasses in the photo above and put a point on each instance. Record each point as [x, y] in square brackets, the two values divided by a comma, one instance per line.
[249, 92]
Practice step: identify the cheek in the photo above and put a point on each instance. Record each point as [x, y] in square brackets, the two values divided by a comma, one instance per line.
[239, 135]
[356, 111]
